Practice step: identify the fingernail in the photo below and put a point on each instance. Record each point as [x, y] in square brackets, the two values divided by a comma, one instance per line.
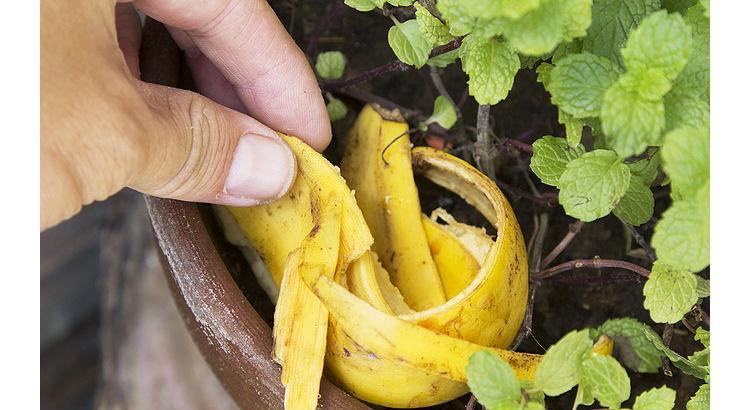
[263, 168]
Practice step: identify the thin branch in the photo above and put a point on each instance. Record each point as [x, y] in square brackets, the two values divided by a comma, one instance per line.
[440, 87]
[566, 240]
[527, 318]
[595, 263]
[702, 315]
[641, 241]
[472, 402]
[483, 150]
[548, 199]
[520, 146]
[666, 337]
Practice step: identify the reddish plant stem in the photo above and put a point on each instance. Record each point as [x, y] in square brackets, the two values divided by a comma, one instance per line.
[595, 263]
[548, 199]
[521, 146]
[472, 402]
[666, 337]
[641, 241]
[566, 240]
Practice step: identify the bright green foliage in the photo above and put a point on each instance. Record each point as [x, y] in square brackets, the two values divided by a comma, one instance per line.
[514, 9]
[649, 83]
[707, 7]
[592, 184]
[551, 155]
[577, 83]
[611, 22]
[687, 367]
[661, 398]
[702, 357]
[686, 160]
[364, 5]
[701, 399]
[576, 18]
[608, 380]
[560, 369]
[330, 64]
[400, 3]
[646, 168]
[704, 287]
[632, 347]
[631, 122]
[637, 205]
[669, 292]
[491, 66]
[336, 109]
[443, 60]
[408, 43]
[460, 22]
[443, 113]
[694, 78]
[685, 109]
[662, 41]
[492, 380]
[584, 394]
[432, 28]
[681, 238]
[539, 31]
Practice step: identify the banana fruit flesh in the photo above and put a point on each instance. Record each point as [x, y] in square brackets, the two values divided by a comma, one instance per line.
[391, 302]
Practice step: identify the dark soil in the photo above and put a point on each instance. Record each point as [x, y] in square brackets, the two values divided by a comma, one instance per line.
[571, 300]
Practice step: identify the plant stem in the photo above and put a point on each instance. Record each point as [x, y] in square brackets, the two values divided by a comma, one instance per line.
[666, 337]
[641, 241]
[472, 402]
[520, 146]
[483, 150]
[595, 263]
[566, 240]
[440, 87]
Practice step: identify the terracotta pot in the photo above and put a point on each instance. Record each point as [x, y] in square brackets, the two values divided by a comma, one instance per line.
[231, 334]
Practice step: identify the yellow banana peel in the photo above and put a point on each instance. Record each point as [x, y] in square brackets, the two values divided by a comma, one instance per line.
[392, 301]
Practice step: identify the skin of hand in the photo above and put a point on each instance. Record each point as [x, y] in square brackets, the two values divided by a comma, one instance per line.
[102, 129]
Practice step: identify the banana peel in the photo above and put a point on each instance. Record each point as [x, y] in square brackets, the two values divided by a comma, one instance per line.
[390, 301]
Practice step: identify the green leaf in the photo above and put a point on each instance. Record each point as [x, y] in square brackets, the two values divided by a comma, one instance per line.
[695, 77]
[685, 109]
[703, 288]
[538, 31]
[330, 64]
[686, 160]
[491, 66]
[592, 184]
[559, 370]
[609, 381]
[400, 3]
[543, 74]
[662, 41]
[491, 379]
[701, 399]
[680, 362]
[573, 127]
[443, 60]
[702, 357]
[408, 43]
[584, 394]
[649, 84]
[531, 392]
[458, 15]
[646, 168]
[704, 336]
[630, 122]
[514, 9]
[656, 399]
[611, 21]
[706, 6]
[577, 83]
[637, 205]
[432, 28]
[576, 18]
[364, 5]
[669, 293]
[681, 238]
[632, 348]
[550, 156]
[443, 113]
[336, 109]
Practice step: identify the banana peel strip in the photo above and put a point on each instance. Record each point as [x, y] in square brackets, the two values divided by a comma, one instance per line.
[379, 347]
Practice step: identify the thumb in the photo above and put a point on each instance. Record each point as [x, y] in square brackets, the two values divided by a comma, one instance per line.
[204, 152]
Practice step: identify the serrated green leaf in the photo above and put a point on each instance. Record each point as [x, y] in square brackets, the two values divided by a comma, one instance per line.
[686, 160]
[576, 18]
[702, 357]
[364, 5]
[680, 362]
[432, 29]
[543, 72]
[630, 122]
[701, 399]
[550, 156]
[685, 110]
[461, 22]
[330, 64]
[637, 205]
[336, 109]
[559, 370]
[491, 65]
[609, 381]
[531, 392]
[578, 82]
[662, 41]
[611, 22]
[538, 31]
[706, 6]
[695, 77]
[492, 380]
[681, 238]
[632, 348]
[443, 60]
[400, 3]
[669, 293]
[704, 288]
[592, 184]
[573, 128]
[646, 168]
[649, 84]
[661, 398]
[443, 113]
[704, 336]
[408, 43]
[508, 405]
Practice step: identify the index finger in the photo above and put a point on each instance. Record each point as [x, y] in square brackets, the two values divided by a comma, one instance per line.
[249, 45]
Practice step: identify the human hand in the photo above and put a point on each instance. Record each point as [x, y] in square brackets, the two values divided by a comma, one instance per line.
[103, 129]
